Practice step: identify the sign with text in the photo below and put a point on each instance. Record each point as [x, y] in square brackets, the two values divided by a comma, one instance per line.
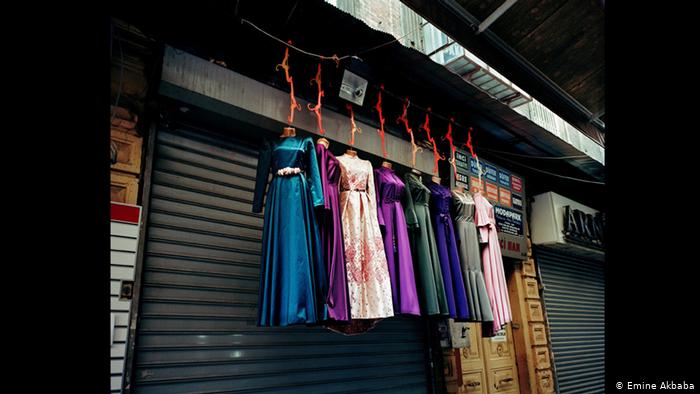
[504, 197]
[509, 221]
[491, 192]
[516, 184]
[583, 228]
[476, 185]
[505, 191]
[517, 201]
[504, 178]
[490, 172]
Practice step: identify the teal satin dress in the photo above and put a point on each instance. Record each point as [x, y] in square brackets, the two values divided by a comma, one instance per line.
[293, 282]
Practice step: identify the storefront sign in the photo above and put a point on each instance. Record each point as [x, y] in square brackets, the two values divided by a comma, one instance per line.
[559, 222]
[477, 186]
[583, 228]
[509, 221]
[517, 201]
[506, 193]
[504, 197]
[491, 192]
[474, 168]
[504, 178]
[490, 172]
[516, 184]
[462, 164]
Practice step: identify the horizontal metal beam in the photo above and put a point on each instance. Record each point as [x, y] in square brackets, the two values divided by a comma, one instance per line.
[235, 95]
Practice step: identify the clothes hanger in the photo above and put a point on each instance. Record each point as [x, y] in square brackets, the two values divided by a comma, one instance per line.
[386, 164]
[288, 132]
[413, 170]
[436, 179]
[351, 152]
[323, 142]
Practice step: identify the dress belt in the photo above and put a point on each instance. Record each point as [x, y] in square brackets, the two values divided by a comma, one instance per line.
[287, 171]
[353, 190]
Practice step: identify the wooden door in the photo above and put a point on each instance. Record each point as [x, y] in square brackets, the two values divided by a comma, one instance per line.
[466, 367]
[501, 370]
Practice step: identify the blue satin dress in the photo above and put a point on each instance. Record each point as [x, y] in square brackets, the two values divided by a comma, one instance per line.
[293, 282]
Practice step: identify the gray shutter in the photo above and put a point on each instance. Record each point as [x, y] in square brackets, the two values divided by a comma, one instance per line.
[197, 330]
[574, 297]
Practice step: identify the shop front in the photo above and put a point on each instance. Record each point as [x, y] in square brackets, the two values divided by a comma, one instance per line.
[198, 300]
[195, 322]
[197, 325]
[568, 239]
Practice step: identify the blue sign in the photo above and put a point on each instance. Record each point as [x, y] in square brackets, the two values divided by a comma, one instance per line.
[491, 172]
[517, 201]
[508, 221]
[504, 178]
[473, 167]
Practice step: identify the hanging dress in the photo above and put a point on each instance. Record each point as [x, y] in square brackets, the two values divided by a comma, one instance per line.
[431, 288]
[470, 256]
[332, 236]
[440, 200]
[494, 276]
[293, 284]
[369, 285]
[389, 190]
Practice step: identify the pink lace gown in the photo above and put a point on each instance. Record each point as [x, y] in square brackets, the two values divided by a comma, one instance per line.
[369, 284]
[492, 260]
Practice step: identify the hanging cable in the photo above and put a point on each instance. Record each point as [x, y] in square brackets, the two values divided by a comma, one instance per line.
[537, 157]
[322, 57]
[337, 59]
[550, 173]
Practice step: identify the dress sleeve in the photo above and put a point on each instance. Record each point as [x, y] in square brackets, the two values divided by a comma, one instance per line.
[409, 209]
[261, 176]
[322, 156]
[314, 177]
[378, 193]
[481, 219]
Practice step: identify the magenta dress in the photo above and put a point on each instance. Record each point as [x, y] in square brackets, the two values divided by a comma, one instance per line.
[389, 191]
[332, 236]
[494, 276]
[440, 202]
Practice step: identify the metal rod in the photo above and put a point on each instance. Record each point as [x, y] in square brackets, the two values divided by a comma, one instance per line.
[441, 48]
[495, 15]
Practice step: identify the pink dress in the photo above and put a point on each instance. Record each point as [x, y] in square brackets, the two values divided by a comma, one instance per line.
[492, 260]
[369, 285]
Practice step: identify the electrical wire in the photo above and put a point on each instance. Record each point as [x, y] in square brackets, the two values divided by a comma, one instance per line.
[322, 57]
[444, 118]
[536, 157]
[550, 173]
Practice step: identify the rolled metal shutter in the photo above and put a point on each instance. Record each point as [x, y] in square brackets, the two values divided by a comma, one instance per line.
[574, 297]
[197, 327]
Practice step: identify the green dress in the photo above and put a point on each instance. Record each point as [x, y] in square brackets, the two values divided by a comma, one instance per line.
[431, 288]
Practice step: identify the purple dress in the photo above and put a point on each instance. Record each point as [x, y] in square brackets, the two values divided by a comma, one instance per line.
[389, 191]
[440, 201]
[332, 236]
